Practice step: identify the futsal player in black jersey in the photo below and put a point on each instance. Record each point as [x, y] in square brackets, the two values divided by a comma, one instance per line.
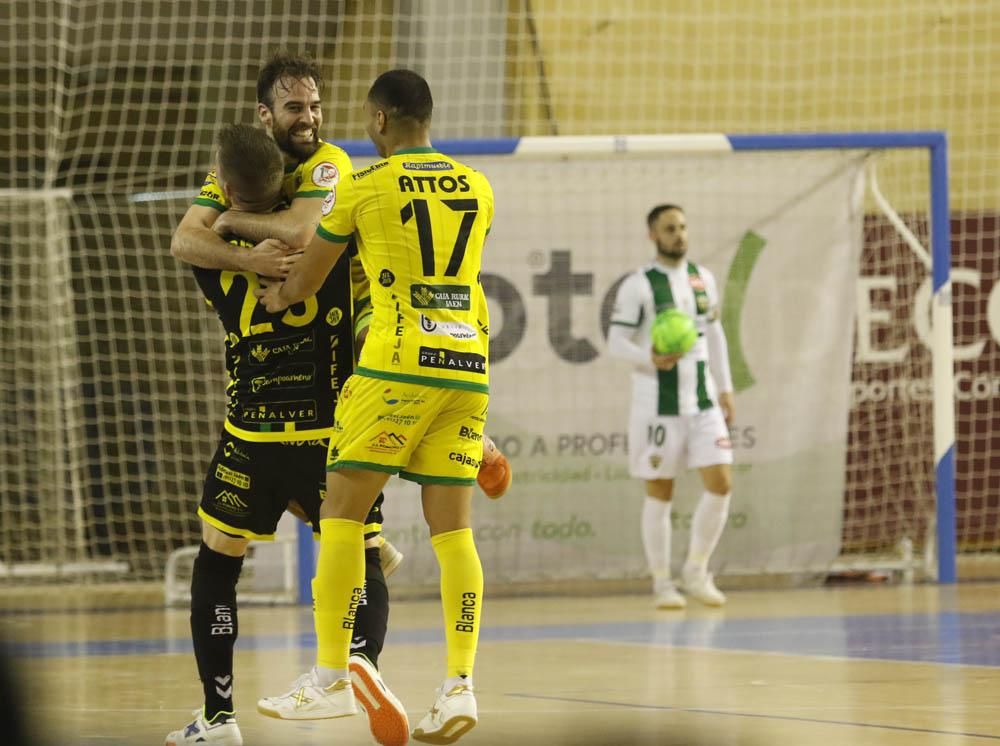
[285, 373]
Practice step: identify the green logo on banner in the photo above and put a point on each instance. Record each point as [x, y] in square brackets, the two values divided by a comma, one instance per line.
[751, 245]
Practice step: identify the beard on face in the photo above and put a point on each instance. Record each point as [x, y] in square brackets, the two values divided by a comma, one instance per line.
[673, 252]
[298, 150]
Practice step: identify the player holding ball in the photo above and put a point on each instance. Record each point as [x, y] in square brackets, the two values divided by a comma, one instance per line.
[666, 324]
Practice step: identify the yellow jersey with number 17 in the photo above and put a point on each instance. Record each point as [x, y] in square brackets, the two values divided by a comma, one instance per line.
[421, 219]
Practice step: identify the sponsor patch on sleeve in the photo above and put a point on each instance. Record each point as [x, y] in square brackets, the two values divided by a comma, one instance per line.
[329, 201]
[326, 175]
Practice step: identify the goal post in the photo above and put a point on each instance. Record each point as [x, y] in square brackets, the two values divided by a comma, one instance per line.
[549, 158]
[570, 223]
[936, 145]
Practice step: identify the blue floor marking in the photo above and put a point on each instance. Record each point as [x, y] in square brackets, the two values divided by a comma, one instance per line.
[944, 638]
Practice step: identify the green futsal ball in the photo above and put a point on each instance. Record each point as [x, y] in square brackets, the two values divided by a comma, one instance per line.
[673, 332]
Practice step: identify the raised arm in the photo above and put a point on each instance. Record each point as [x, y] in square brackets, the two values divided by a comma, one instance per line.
[306, 276]
[294, 227]
[196, 242]
[321, 253]
[361, 299]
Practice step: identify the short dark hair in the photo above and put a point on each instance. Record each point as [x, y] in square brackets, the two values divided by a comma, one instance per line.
[403, 94]
[284, 64]
[247, 159]
[656, 211]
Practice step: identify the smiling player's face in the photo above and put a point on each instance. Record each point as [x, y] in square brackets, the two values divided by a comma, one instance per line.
[295, 117]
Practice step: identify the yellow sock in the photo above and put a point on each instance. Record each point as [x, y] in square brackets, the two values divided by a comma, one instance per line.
[461, 597]
[340, 577]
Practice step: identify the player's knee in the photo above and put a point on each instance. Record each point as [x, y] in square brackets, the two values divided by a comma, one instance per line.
[660, 489]
[721, 484]
[298, 511]
[223, 543]
[214, 577]
[718, 479]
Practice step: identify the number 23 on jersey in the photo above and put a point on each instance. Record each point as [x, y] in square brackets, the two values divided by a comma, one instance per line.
[301, 314]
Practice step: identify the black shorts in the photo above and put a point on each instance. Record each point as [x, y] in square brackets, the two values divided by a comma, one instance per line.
[249, 486]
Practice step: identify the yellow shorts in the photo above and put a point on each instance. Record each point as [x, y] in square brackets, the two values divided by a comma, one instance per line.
[426, 434]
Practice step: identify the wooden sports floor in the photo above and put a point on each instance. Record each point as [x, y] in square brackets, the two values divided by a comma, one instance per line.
[889, 665]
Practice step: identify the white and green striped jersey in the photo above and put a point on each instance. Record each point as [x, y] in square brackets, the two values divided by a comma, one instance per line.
[691, 386]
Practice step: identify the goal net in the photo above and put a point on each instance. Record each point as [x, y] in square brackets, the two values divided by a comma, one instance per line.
[112, 369]
[834, 442]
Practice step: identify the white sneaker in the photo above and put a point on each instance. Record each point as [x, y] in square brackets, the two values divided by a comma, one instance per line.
[666, 596]
[389, 557]
[310, 700]
[386, 717]
[452, 716]
[224, 731]
[701, 585]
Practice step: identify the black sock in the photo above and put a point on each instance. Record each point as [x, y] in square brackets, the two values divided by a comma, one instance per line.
[373, 612]
[214, 626]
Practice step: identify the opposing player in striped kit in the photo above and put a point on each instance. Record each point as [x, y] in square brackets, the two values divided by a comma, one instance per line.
[682, 406]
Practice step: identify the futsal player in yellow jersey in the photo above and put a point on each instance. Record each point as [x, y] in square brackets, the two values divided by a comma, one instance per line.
[417, 402]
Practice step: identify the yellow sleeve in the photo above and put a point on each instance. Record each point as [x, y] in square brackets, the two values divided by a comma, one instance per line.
[361, 294]
[321, 172]
[339, 209]
[486, 199]
[211, 194]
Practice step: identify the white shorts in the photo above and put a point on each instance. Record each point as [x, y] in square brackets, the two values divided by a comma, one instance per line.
[660, 447]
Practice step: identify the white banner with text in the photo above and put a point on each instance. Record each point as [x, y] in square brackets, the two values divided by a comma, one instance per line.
[782, 234]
